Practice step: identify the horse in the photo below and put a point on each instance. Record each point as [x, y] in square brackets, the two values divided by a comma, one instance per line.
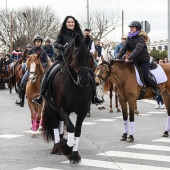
[119, 72]
[3, 73]
[69, 91]
[35, 70]
[15, 75]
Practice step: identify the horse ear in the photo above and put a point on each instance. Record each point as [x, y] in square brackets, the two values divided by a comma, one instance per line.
[77, 40]
[87, 40]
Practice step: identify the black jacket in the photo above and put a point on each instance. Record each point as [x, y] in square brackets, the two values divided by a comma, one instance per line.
[62, 39]
[137, 47]
[43, 55]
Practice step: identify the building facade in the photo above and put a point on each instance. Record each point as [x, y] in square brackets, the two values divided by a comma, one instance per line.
[159, 45]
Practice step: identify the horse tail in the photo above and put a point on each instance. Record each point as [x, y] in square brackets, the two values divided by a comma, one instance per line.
[106, 86]
[47, 125]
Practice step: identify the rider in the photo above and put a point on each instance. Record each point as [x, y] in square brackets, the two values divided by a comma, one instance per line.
[136, 44]
[44, 61]
[69, 29]
[120, 45]
[48, 48]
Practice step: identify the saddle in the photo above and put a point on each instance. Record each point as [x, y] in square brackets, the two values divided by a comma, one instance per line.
[50, 77]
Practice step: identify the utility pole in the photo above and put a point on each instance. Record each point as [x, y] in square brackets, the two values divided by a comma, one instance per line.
[6, 44]
[168, 31]
[122, 23]
[11, 43]
[88, 22]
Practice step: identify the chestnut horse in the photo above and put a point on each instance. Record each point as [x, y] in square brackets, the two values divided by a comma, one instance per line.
[123, 75]
[3, 73]
[69, 92]
[35, 70]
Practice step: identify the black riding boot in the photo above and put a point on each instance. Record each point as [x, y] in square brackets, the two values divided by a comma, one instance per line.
[39, 99]
[20, 102]
[151, 82]
[95, 99]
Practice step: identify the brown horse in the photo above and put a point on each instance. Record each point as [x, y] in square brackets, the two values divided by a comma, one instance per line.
[123, 75]
[3, 73]
[35, 70]
[15, 75]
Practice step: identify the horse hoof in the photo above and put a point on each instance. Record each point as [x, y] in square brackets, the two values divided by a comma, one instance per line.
[88, 115]
[56, 150]
[111, 110]
[130, 139]
[166, 134]
[40, 128]
[33, 135]
[124, 137]
[74, 157]
[103, 107]
[118, 110]
[100, 107]
[137, 113]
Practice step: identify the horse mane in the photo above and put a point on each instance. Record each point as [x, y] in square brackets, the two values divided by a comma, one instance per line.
[77, 55]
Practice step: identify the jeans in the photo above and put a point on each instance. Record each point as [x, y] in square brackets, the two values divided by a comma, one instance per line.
[25, 76]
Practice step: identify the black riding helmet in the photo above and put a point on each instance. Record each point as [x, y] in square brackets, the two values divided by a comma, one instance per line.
[29, 46]
[48, 40]
[37, 37]
[136, 24]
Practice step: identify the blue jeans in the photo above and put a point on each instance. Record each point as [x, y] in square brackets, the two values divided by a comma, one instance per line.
[145, 69]
[25, 76]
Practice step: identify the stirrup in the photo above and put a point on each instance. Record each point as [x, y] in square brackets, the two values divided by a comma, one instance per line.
[38, 100]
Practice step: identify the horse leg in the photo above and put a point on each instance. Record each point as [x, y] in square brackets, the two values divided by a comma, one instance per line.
[75, 157]
[66, 146]
[136, 110]
[116, 99]
[131, 103]
[123, 104]
[166, 97]
[110, 95]
[38, 116]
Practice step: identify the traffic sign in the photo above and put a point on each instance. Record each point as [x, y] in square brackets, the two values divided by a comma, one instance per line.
[146, 26]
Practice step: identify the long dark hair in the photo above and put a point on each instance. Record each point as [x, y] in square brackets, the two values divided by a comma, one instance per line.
[77, 28]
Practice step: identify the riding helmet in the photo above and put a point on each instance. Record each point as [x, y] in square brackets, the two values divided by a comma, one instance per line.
[48, 40]
[37, 37]
[136, 24]
[28, 46]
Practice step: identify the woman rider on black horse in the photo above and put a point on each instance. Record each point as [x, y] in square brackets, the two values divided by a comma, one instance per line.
[136, 44]
[69, 29]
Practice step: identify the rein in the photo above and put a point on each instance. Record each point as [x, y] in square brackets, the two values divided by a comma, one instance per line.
[78, 79]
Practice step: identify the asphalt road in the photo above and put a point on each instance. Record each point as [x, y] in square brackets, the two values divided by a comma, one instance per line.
[100, 146]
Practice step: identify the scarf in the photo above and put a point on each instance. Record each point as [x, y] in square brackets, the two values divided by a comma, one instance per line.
[131, 35]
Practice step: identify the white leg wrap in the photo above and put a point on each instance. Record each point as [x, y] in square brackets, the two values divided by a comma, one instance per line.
[76, 143]
[70, 140]
[132, 129]
[126, 129]
[56, 136]
[61, 127]
[168, 124]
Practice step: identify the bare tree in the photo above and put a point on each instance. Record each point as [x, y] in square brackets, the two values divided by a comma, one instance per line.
[26, 23]
[102, 23]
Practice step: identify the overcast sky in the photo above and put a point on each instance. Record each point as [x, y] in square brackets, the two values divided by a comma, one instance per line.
[153, 11]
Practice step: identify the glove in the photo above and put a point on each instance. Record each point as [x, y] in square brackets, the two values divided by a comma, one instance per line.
[61, 47]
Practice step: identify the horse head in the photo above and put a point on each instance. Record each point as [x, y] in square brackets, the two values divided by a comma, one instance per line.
[102, 73]
[108, 54]
[78, 60]
[34, 67]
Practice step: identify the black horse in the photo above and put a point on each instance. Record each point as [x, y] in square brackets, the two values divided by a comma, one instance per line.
[69, 91]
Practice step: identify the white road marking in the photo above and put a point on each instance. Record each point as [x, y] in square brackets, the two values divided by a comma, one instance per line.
[150, 147]
[105, 120]
[42, 168]
[156, 112]
[88, 123]
[10, 136]
[133, 155]
[116, 165]
[162, 140]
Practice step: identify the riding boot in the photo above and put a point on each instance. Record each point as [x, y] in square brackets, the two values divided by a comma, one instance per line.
[151, 82]
[39, 99]
[20, 102]
[95, 99]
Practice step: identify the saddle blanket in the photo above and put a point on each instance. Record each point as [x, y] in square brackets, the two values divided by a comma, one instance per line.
[158, 73]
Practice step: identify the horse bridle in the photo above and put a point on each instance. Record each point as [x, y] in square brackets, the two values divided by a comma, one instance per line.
[102, 80]
[78, 77]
